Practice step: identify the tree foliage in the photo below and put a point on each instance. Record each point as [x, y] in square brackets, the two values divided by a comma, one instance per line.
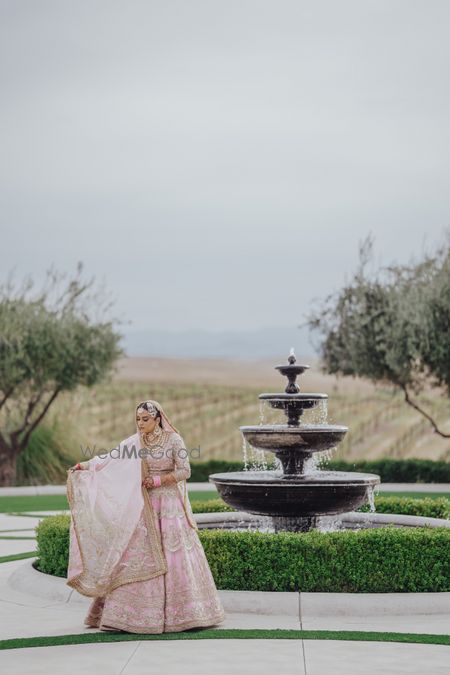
[51, 341]
[391, 325]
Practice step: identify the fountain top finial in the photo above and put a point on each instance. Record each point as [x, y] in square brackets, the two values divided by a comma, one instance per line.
[291, 371]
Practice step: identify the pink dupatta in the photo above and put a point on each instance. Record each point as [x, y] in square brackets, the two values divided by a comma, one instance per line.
[106, 504]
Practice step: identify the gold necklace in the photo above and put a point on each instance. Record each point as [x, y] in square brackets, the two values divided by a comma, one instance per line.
[153, 437]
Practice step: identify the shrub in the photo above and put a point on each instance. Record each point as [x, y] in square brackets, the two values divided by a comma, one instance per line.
[389, 470]
[367, 561]
[398, 470]
[210, 506]
[47, 456]
[427, 507]
[52, 536]
[380, 560]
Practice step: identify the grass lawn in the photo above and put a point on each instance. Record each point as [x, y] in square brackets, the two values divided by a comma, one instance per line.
[31, 503]
[17, 556]
[225, 634]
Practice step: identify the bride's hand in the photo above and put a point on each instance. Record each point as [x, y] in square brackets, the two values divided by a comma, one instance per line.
[77, 467]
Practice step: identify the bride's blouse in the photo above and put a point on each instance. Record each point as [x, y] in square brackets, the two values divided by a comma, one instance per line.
[170, 456]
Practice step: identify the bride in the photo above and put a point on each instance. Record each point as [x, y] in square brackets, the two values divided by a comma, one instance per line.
[134, 544]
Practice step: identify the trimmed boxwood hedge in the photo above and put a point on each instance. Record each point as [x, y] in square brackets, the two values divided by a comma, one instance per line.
[427, 507]
[408, 506]
[389, 470]
[53, 539]
[379, 560]
[384, 560]
[210, 506]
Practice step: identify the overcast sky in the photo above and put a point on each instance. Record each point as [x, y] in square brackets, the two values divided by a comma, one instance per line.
[216, 163]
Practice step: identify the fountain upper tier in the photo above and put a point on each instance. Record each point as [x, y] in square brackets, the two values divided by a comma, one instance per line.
[293, 404]
[293, 443]
[292, 370]
[292, 401]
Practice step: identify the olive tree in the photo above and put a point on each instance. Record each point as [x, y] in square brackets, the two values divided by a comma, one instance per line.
[391, 325]
[51, 341]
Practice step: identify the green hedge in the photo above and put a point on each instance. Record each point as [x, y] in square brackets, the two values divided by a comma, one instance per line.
[210, 506]
[384, 560]
[53, 539]
[426, 507]
[379, 560]
[390, 470]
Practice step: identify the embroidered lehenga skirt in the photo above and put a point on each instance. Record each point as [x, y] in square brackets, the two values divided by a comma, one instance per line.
[184, 597]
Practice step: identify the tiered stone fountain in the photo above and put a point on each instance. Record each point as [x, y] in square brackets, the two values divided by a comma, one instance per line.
[293, 497]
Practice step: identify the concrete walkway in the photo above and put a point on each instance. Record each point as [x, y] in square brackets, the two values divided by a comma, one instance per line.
[386, 612]
[25, 614]
[220, 657]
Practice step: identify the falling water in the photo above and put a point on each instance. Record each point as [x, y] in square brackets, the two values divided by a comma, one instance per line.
[277, 465]
[262, 411]
[318, 414]
[269, 415]
[371, 498]
[322, 412]
[259, 462]
[245, 452]
[329, 524]
[254, 459]
[315, 463]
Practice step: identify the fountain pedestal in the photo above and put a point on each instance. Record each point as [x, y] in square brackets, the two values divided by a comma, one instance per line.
[293, 524]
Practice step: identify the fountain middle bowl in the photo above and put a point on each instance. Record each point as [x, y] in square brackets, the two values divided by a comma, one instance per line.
[308, 438]
[317, 494]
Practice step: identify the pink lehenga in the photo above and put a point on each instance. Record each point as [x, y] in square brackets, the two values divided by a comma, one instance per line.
[136, 551]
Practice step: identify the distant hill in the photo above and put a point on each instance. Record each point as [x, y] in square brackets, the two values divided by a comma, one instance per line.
[270, 341]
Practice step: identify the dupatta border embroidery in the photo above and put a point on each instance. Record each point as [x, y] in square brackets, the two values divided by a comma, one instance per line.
[77, 581]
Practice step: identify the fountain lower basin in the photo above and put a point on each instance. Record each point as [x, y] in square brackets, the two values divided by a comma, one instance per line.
[271, 493]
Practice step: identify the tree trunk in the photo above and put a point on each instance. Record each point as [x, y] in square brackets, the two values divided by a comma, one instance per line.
[8, 460]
